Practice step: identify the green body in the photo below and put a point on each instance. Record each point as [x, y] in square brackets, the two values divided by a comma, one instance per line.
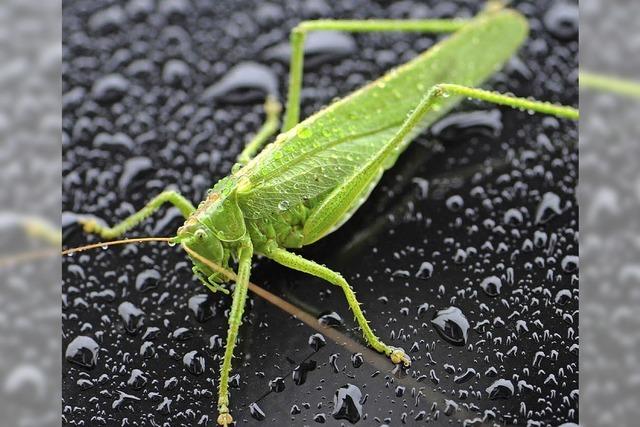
[289, 194]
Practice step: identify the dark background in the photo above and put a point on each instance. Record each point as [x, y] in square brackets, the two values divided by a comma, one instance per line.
[135, 121]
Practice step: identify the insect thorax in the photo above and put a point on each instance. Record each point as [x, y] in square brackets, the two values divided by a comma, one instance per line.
[286, 228]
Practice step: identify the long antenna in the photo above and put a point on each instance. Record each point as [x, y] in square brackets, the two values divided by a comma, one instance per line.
[45, 253]
[116, 242]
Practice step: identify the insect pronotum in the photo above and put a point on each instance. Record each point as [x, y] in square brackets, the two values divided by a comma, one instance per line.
[317, 172]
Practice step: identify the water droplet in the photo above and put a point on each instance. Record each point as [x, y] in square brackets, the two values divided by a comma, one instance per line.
[300, 372]
[283, 205]
[457, 126]
[319, 48]
[562, 20]
[357, 360]
[146, 280]
[500, 389]
[304, 132]
[423, 308]
[569, 263]
[194, 362]
[320, 418]
[256, 412]
[425, 271]
[330, 319]
[132, 317]
[147, 350]
[455, 203]
[491, 285]
[176, 73]
[277, 384]
[346, 404]
[135, 169]
[548, 208]
[466, 376]
[110, 88]
[513, 217]
[247, 82]
[202, 306]
[563, 297]
[182, 334]
[137, 380]
[317, 341]
[83, 351]
[452, 325]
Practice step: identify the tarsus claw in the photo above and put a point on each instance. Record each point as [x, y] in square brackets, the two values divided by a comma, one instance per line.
[225, 419]
[88, 225]
[399, 356]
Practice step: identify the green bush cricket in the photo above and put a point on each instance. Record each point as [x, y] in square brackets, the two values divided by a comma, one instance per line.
[317, 173]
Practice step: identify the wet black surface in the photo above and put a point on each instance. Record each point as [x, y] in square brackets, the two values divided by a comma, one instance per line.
[491, 194]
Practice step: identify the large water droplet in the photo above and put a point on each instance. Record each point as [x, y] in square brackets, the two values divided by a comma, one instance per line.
[194, 362]
[137, 380]
[146, 280]
[455, 203]
[491, 285]
[246, 82]
[346, 404]
[277, 385]
[317, 341]
[548, 208]
[319, 48]
[500, 389]
[202, 307]
[452, 325]
[301, 371]
[256, 412]
[83, 351]
[562, 20]
[132, 317]
[569, 263]
[330, 319]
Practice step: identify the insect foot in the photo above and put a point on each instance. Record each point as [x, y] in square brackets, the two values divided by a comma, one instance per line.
[225, 419]
[398, 355]
[88, 225]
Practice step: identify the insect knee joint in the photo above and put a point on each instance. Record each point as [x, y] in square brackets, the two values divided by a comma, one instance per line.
[438, 90]
[298, 33]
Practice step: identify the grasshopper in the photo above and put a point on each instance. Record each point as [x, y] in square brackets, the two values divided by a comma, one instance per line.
[317, 172]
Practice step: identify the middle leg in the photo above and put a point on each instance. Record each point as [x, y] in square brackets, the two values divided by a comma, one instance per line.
[272, 110]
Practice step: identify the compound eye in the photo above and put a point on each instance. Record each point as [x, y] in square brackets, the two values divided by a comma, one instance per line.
[200, 234]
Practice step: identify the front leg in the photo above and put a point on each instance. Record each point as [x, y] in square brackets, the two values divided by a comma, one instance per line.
[185, 207]
[235, 320]
[296, 262]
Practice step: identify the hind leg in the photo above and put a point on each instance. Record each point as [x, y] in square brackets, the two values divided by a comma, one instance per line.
[296, 262]
[299, 33]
